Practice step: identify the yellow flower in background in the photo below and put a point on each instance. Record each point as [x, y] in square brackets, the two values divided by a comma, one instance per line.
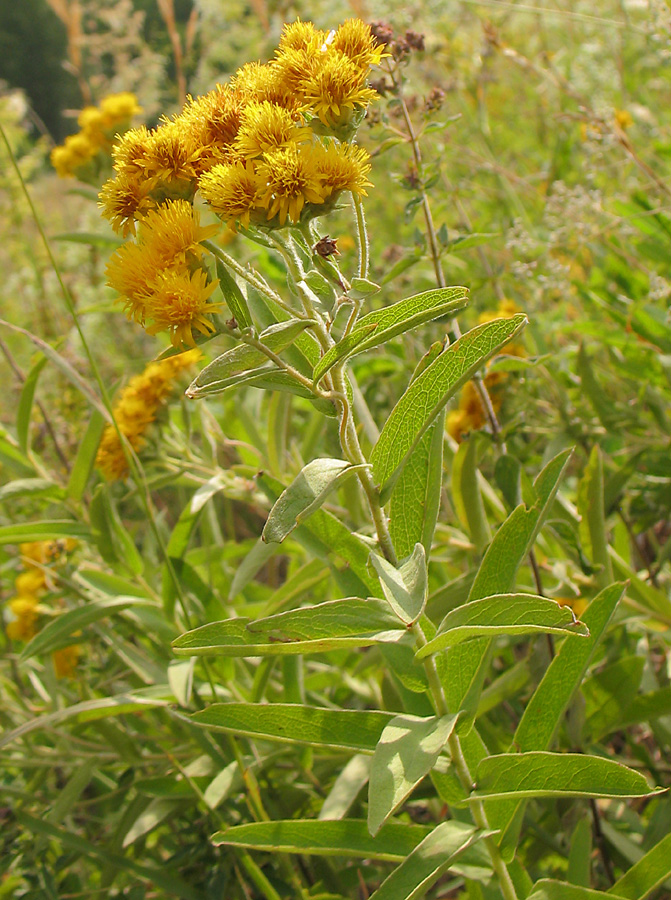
[179, 303]
[232, 191]
[22, 626]
[84, 154]
[265, 127]
[577, 604]
[291, 180]
[65, 660]
[136, 408]
[31, 582]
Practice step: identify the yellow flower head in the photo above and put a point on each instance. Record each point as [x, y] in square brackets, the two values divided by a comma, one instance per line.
[179, 302]
[172, 231]
[291, 180]
[131, 149]
[136, 409]
[172, 156]
[266, 126]
[213, 121]
[335, 89]
[73, 155]
[232, 190]
[344, 167]
[44, 552]
[65, 660]
[92, 121]
[355, 40]
[130, 271]
[258, 81]
[125, 199]
[301, 36]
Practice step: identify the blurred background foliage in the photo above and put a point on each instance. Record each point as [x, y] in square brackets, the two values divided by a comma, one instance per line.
[545, 140]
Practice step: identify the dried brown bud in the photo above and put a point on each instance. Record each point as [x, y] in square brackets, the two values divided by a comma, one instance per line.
[382, 32]
[326, 246]
[435, 99]
[414, 40]
[382, 86]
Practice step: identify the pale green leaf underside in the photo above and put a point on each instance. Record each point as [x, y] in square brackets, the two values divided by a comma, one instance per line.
[345, 347]
[405, 587]
[407, 751]
[511, 614]
[306, 493]
[337, 729]
[427, 862]
[428, 394]
[243, 362]
[542, 774]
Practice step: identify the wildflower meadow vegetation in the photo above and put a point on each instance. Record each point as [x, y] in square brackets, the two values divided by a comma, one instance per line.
[335, 496]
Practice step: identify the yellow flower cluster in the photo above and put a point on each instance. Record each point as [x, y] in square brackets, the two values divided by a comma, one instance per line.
[136, 408]
[31, 585]
[271, 147]
[161, 277]
[84, 154]
[470, 414]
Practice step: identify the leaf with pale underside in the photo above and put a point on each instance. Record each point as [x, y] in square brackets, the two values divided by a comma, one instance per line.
[404, 587]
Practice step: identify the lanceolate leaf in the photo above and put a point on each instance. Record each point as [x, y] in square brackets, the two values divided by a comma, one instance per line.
[344, 348]
[408, 314]
[244, 361]
[427, 862]
[336, 625]
[407, 751]
[345, 837]
[339, 729]
[233, 296]
[427, 395]
[306, 493]
[541, 774]
[549, 889]
[466, 664]
[503, 614]
[651, 871]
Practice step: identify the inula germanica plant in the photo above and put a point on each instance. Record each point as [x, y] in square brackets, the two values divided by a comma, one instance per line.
[307, 646]
[272, 154]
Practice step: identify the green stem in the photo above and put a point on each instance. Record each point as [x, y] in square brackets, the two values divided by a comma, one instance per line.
[364, 246]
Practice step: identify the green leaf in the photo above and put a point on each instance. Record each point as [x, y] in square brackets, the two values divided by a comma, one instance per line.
[113, 541]
[428, 394]
[43, 531]
[345, 788]
[306, 493]
[92, 710]
[544, 712]
[30, 487]
[543, 774]
[257, 557]
[593, 525]
[428, 861]
[329, 626]
[59, 631]
[406, 753]
[344, 837]
[407, 314]
[235, 299]
[608, 695]
[405, 587]
[580, 854]
[342, 350]
[503, 614]
[550, 889]
[26, 403]
[466, 664]
[466, 493]
[288, 723]
[12, 457]
[163, 878]
[243, 361]
[651, 871]
[86, 457]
